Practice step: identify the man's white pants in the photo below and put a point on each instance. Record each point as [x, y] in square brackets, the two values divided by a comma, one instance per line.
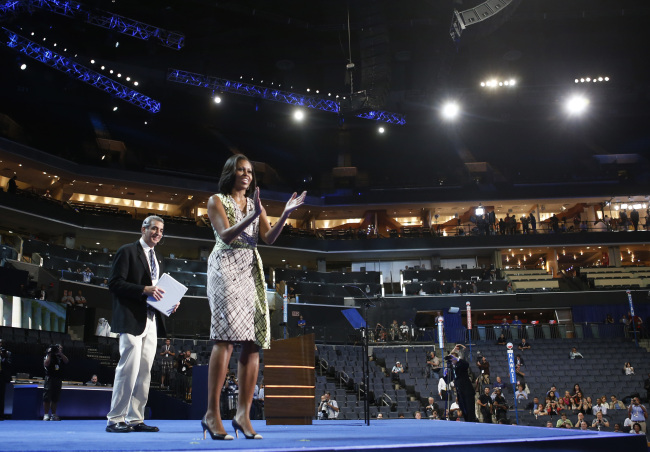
[133, 375]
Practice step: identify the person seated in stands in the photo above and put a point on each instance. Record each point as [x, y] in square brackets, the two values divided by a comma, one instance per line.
[380, 416]
[500, 405]
[565, 402]
[552, 392]
[599, 421]
[581, 419]
[431, 409]
[418, 415]
[587, 405]
[509, 288]
[601, 405]
[87, 275]
[79, 299]
[519, 361]
[628, 369]
[500, 384]
[564, 422]
[396, 371]
[393, 331]
[577, 401]
[575, 354]
[617, 428]
[584, 425]
[404, 331]
[104, 283]
[524, 345]
[541, 408]
[433, 366]
[455, 288]
[67, 298]
[94, 381]
[520, 394]
[501, 340]
[609, 320]
[636, 429]
[552, 406]
[616, 404]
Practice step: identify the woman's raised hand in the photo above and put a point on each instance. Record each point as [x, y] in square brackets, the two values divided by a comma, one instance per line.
[257, 203]
[295, 202]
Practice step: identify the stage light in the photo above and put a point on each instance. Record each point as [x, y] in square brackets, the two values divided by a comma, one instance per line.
[128, 79]
[115, 108]
[577, 104]
[479, 210]
[482, 83]
[111, 71]
[577, 80]
[298, 115]
[506, 83]
[119, 75]
[607, 79]
[23, 67]
[217, 99]
[381, 130]
[92, 61]
[600, 79]
[512, 82]
[136, 83]
[117, 44]
[450, 110]
[103, 67]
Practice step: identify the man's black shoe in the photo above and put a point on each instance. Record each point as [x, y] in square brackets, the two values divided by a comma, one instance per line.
[119, 427]
[142, 427]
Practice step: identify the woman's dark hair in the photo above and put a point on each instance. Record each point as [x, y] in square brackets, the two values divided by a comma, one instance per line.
[227, 179]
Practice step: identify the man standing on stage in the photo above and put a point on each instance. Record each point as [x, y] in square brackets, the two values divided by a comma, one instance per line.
[459, 371]
[133, 278]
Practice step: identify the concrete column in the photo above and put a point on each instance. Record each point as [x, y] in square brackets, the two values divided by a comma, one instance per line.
[496, 259]
[26, 320]
[322, 265]
[614, 256]
[3, 302]
[37, 318]
[16, 312]
[551, 262]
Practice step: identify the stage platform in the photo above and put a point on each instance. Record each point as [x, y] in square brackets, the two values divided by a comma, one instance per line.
[393, 435]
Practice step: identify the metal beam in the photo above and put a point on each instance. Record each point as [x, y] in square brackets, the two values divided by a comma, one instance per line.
[262, 92]
[78, 71]
[111, 21]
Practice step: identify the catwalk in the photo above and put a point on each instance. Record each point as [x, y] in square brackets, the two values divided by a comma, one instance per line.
[393, 435]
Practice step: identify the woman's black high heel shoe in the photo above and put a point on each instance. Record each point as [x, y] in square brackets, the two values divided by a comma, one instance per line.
[236, 426]
[204, 426]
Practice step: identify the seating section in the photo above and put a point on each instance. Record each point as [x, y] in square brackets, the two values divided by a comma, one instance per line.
[616, 277]
[441, 281]
[529, 280]
[312, 286]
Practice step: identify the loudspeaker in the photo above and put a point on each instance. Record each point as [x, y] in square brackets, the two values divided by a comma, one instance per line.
[453, 310]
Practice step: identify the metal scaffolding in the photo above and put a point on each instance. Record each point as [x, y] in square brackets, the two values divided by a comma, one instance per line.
[276, 95]
[78, 71]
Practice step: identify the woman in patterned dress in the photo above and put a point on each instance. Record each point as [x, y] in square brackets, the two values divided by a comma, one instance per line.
[236, 288]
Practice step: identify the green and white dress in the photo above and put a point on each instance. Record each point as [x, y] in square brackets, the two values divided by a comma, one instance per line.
[236, 283]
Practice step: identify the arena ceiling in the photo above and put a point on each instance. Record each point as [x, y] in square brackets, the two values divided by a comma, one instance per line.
[405, 61]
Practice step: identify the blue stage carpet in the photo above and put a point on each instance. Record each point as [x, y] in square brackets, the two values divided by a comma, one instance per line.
[393, 435]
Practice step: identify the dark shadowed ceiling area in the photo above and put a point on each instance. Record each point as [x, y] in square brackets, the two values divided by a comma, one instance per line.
[405, 61]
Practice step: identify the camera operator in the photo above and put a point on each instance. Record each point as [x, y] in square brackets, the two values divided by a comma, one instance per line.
[53, 363]
[5, 376]
[187, 363]
[458, 372]
[328, 408]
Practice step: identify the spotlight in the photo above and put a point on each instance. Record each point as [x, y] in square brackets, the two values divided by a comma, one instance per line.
[381, 130]
[103, 67]
[577, 105]
[512, 82]
[298, 115]
[92, 61]
[577, 81]
[450, 110]
[117, 44]
[23, 67]
[217, 99]
[136, 83]
[482, 83]
[115, 108]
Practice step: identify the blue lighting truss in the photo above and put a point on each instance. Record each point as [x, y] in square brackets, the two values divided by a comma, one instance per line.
[262, 92]
[10, 8]
[80, 72]
[111, 21]
[99, 18]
